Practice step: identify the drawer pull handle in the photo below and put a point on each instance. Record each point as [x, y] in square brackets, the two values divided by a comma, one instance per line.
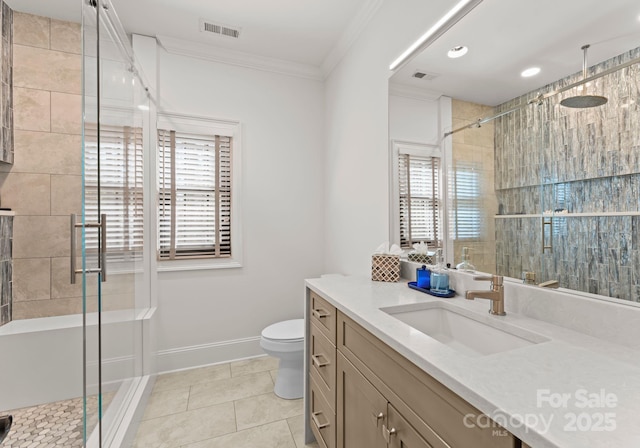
[377, 418]
[387, 433]
[314, 417]
[320, 313]
[317, 362]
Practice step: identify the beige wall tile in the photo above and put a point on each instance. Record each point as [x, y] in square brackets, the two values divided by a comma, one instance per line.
[25, 193]
[31, 279]
[38, 68]
[66, 36]
[61, 286]
[40, 152]
[66, 195]
[40, 236]
[112, 302]
[31, 109]
[66, 113]
[47, 308]
[30, 30]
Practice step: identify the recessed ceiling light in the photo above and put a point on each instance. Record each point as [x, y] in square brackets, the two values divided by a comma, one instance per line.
[457, 52]
[533, 71]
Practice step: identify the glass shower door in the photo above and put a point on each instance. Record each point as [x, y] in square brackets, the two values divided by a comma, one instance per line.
[112, 263]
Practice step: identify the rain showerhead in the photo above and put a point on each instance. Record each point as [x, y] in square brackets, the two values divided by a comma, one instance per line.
[584, 101]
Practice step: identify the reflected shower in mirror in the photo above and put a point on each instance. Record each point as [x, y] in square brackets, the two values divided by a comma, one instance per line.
[533, 185]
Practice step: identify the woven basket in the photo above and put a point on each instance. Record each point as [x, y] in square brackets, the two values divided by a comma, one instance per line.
[385, 268]
[421, 258]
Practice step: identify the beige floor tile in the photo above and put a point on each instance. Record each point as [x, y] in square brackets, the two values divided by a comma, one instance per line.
[265, 408]
[272, 435]
[186, 427]
[230, 389]
[166, 402]
[296, 426]
[186, 378]
[253, 365]
[274, 375]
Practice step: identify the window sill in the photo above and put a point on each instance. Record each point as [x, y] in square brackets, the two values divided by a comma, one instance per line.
[197, 265]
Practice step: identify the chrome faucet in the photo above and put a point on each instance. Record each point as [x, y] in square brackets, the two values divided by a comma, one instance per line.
[495, 294]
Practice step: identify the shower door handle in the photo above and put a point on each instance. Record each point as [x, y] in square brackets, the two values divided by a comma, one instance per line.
[102, 225]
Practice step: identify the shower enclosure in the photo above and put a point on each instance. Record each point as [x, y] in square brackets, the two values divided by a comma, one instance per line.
[112, 262]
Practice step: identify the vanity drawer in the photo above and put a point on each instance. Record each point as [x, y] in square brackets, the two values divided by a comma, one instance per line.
[322, 418]
[322, 359]
[323, 314]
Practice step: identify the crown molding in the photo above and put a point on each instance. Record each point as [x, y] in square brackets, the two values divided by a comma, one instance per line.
[239, 58]
[350, 35]
[407, 91]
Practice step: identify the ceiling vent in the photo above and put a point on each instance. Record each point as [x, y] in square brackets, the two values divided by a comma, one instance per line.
[425, 76]
[219, 29]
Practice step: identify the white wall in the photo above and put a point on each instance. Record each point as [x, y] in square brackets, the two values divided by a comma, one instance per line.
[413, 120]
[201, 313]
[357, 159]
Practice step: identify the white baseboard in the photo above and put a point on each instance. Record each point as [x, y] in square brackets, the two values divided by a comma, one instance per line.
[205, 354]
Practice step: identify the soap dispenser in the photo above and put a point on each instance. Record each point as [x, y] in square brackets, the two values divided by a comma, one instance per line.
[465, 265]
[439, 276]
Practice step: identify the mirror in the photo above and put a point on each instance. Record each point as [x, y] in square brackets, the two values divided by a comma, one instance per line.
[543, 188]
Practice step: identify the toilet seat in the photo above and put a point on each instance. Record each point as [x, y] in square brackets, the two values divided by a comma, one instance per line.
[288, 331]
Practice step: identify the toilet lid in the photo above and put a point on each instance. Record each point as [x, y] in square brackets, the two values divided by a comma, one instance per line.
[288, 330]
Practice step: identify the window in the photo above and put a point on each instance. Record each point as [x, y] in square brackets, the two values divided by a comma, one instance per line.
[419, 197]
[464, 215]
[195, 192]
[121, 189]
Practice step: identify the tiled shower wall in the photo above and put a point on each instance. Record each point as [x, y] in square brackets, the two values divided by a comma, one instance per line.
[473, 149]
[550, 157]
[44, 184]
[6, 97]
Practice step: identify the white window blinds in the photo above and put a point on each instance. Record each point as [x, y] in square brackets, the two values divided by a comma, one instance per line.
[464, 214]
[419, 180]
[194, 195]
[121, 188]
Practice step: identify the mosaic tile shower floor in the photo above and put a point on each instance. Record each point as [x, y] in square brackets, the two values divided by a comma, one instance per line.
[51, 425]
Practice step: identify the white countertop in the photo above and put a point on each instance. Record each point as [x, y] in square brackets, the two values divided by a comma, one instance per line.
[507, 385]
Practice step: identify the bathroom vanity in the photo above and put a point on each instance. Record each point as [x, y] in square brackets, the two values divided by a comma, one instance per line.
[387, 366]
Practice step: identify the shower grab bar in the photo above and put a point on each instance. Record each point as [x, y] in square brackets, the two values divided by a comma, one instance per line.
[102, 269]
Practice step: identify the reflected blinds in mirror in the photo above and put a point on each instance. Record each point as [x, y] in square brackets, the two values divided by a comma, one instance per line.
[464, 213]
[194, 195]
[419, 180]
[121, 188]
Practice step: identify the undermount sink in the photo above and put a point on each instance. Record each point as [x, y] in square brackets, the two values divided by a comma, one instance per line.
[463, 330]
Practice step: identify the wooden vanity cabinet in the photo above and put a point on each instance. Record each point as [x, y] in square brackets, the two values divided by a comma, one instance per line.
[419, 411]
[364, 394]
[321, 353]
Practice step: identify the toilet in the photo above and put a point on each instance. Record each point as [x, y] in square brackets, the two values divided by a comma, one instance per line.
[285, 341]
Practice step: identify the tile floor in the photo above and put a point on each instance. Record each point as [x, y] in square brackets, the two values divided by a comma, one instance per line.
[50, 425]
[223, 406]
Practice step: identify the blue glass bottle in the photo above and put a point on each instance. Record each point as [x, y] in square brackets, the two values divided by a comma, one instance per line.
[423, 277]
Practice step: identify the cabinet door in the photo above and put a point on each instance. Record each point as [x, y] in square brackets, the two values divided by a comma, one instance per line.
[399, 433]
[361, 409]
